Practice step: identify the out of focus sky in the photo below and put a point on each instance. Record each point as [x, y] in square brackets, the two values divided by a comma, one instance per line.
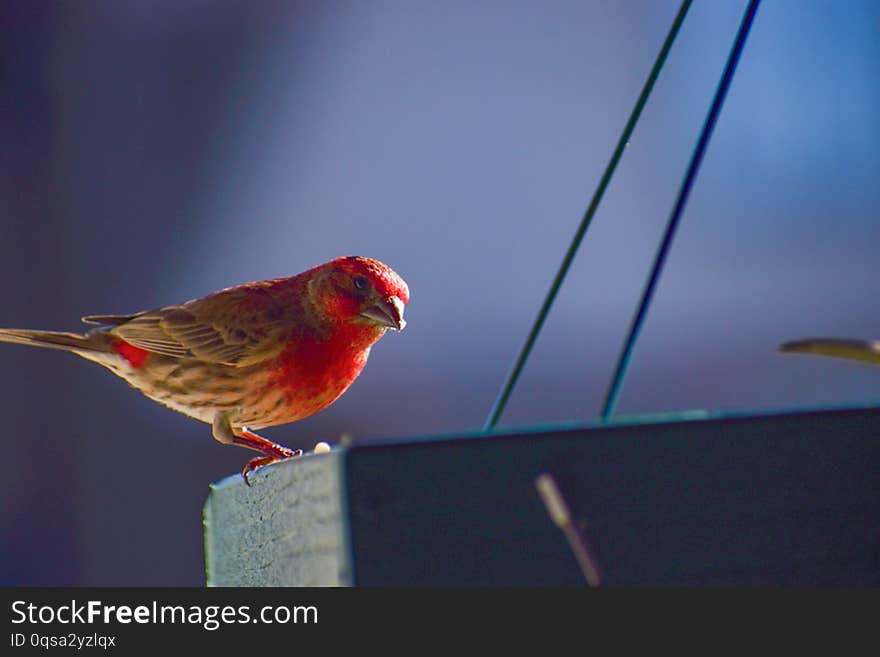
[153, 152]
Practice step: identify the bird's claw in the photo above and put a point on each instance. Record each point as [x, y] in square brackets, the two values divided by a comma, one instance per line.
[261, 461]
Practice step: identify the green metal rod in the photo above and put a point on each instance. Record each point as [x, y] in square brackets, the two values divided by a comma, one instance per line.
[687, 184]
[516, 371]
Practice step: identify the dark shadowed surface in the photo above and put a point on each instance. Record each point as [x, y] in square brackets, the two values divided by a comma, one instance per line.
[157, 152]
[777, 500]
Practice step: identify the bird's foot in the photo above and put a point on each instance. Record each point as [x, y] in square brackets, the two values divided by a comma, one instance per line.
[272, 452]
[260, 461]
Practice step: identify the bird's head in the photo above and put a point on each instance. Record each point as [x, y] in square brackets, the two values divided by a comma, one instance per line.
[362, 291]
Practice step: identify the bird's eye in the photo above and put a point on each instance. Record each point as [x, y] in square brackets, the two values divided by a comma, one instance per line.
[361, 283]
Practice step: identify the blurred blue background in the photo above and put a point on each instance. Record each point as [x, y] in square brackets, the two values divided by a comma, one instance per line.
[153, 152]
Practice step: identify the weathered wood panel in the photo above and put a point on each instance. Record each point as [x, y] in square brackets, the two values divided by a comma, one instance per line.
[777, 499]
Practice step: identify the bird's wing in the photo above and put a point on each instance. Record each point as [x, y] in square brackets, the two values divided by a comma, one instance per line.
[238, 326]
[109, 320]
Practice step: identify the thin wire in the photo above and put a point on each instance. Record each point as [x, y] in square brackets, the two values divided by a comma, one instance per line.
[616, 384]
[516, 370]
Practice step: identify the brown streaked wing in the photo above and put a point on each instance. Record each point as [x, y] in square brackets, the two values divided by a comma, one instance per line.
[108, 320]
[233, 327]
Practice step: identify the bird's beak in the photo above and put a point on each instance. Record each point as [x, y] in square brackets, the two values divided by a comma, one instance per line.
[387, 312]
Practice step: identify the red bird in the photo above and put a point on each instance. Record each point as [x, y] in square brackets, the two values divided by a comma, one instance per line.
[251, 356]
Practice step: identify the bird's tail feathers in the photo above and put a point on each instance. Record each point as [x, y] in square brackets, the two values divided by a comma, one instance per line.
[79, 343]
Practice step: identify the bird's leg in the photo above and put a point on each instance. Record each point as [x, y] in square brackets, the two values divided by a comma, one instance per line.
[272, 452]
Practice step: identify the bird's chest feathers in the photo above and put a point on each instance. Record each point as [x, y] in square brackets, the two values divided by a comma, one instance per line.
[312, 366]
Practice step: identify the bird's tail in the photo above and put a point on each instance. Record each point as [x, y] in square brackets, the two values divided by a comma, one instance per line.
[79, 343]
